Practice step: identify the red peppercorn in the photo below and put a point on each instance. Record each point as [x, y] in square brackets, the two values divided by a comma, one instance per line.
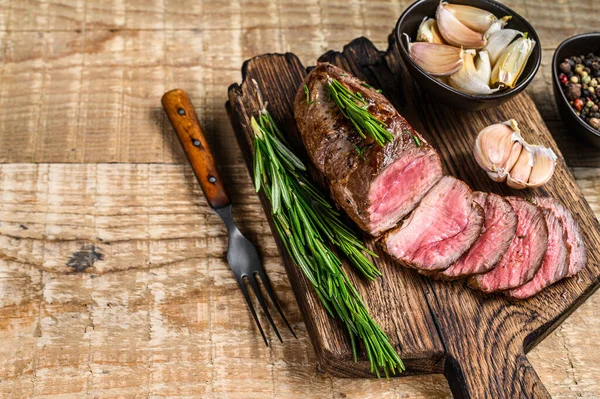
[563, 78]
[578, 104]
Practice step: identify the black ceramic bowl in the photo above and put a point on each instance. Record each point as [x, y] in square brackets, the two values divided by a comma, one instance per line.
[409, 23]
[575, 46]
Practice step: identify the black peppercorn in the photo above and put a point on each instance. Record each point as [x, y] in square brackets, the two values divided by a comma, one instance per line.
[573, 91]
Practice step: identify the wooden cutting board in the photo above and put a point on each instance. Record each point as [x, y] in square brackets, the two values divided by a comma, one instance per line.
[478, 341]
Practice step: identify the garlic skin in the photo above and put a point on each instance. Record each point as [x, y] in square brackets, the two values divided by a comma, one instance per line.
[428, 32]
[498, 42]
[503, 153]
[497, 25]
[455, 32]
[475, 18]
[474, 76]
[511, 63]
[436, 59]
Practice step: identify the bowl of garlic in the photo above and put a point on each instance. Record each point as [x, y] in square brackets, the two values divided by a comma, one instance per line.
[468, 54]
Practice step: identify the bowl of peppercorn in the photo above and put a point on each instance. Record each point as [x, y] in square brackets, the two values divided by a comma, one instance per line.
[576, 75]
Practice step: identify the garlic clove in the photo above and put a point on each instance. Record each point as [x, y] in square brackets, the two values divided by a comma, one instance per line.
[429, 32]
[498, 25]
[436, 59]
[518, 175]
[511, 63]
[475, 18]
[498, 42]
[474, 76]
[455, 32]
[515, 153]
[493, 148]
[483, 66]
[544, 163]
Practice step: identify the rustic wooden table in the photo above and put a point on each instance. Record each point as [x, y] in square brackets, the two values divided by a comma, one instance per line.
[113, 281]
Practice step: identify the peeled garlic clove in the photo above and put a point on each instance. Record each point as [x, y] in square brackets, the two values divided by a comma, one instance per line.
[495, 148]
[497, 25]
[474, 76]
[511, 63]
[475, 18]
[436, 59]
[429, 32]
[520, 172]
[455, 32]
[498, 42]
[544, 163]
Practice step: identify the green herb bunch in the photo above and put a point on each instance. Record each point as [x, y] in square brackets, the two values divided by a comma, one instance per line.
[355, 108]
[309, 227]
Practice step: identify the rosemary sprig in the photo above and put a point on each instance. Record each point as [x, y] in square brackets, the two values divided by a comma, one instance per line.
[354, 107]
[309, 226]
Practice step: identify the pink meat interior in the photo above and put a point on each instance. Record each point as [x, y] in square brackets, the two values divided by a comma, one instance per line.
[440, 230]
[397, 190]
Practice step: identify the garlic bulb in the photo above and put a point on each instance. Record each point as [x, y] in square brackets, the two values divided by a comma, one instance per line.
[455, 32]
[475, 18]
[503, 153]
[429, 32]
[474, 76]
[436, 59]
[511, 63]
[498, 42]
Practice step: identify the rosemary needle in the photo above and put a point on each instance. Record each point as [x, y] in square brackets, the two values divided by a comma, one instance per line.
[309, 226]
[354, 107]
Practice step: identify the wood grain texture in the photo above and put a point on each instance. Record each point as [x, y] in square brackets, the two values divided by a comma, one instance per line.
[484, 336]
[81, 81]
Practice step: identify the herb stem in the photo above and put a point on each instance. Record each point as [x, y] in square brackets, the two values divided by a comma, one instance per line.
[309, 226]
[354, 107]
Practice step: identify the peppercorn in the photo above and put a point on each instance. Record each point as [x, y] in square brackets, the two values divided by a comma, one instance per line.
[574, 79]
[595, 108]
[595, 123]
[589, 104]
[578, 68]
[578, 104]
[562, 78]
[565, 67]
[598, 90]
[594, 82]
[573, 91]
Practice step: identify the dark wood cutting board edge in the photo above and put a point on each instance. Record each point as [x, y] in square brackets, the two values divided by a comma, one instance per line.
[478, 341]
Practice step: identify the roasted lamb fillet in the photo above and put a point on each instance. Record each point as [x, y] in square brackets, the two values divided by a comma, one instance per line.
[524, 255]
[497, 233]
[445, 225]
[380, 185]
[554, 265]
[577, 255]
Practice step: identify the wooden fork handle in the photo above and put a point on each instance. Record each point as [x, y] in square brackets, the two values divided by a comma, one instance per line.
[181, 113]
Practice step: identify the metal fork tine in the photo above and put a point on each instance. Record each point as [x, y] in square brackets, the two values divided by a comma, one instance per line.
[267, 284]
[261, 300]
[242, 285]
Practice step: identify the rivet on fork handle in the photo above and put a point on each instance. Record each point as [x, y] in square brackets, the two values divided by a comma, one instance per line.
[181, 113]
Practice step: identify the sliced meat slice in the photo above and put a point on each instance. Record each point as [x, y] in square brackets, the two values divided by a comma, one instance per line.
[445, 224]
[554, 265]
[376, 186]
[577, 255]
[498, 231]
[524, 255]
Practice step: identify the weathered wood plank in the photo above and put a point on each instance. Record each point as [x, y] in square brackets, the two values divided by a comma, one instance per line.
[100, 317]
[81, 81]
